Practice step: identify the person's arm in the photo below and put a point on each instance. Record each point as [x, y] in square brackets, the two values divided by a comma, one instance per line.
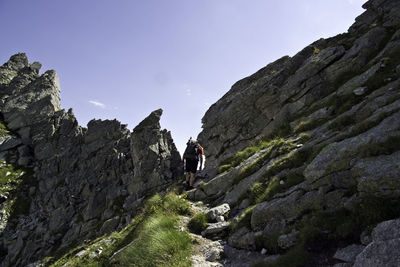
[201, 161]
[201, 155]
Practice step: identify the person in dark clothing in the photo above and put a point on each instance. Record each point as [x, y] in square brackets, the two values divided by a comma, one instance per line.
[193, 154]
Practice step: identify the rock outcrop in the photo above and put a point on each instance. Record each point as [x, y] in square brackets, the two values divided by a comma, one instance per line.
[83, 182]
[307, 148]
[264, 103]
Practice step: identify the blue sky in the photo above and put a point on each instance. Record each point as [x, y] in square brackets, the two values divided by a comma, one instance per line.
[125, 58]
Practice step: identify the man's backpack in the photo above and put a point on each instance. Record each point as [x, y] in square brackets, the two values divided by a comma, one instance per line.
[191, 150]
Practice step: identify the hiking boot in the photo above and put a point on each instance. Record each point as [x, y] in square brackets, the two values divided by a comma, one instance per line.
[188, 187]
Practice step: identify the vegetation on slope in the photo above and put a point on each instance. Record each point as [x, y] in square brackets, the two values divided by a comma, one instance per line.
[152, 239]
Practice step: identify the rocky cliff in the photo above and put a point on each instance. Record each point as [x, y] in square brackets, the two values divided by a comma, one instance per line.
[302, 159]
[71, 183]
[306, 150]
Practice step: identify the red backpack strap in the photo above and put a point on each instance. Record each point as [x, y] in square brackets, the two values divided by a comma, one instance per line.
[200, 150]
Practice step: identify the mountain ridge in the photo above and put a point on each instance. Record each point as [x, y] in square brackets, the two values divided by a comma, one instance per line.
[304, 153]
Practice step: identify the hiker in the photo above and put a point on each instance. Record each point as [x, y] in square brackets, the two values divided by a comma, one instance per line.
[193, 153]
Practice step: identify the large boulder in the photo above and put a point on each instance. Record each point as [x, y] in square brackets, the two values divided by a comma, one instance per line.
[385, 247]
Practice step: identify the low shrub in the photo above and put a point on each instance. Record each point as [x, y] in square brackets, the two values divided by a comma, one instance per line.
[308, 125]
[245, 219]
[175, 204]
[198, 223]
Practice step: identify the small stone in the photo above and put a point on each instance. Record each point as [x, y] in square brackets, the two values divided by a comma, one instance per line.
[287, 241]
[96, 253]
[218, 211]
[365, 238]
[80, 254]
[215, 228]
[220, 219]
[360, 90]
[398, 69]
[349, 253]
[264, 251]
[281, 182]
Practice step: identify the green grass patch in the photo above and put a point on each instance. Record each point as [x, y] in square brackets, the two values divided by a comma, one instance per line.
[176, 204]
[151, 239]
[275, 139]
[3, 129]
[245, 219]
[276, 147]
[159, 243]
[305, 137]
[308, 125]
[198, 223]
[294, 159]
[261, 192]
[10, 177]
[241, 156]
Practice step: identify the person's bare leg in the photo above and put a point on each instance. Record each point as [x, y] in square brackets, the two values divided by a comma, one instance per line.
[187, 177]
[192, 178]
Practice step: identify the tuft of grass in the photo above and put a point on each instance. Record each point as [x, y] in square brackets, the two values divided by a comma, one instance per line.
[304, 137]
[198, 223]
[245, 219]
[159, 243]
[10, 177]
[294, 159]
[308, 125]
[242, 155]
[176, 204]
[152, 238]
[260, 192]
[3, 129]
[275, 147]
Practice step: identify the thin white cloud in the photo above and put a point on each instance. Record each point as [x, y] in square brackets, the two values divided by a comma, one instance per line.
[97, 103]
[188, 92]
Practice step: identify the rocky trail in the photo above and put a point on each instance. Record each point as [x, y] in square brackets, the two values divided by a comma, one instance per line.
[210, 249]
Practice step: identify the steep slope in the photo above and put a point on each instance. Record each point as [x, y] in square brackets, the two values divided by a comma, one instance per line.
[306, 150]
[81, 182]
[267, 101]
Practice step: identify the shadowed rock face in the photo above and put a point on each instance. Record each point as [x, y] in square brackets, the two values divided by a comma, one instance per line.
[85, 182]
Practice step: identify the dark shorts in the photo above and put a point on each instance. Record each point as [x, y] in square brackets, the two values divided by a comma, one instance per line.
[191, 165]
